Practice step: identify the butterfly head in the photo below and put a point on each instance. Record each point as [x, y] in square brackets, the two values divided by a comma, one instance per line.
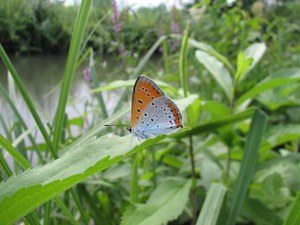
[129, 129]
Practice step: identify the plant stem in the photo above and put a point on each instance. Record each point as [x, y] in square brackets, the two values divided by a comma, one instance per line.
[193, 191]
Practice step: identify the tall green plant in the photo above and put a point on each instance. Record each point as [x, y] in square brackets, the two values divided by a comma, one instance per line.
[73, 55]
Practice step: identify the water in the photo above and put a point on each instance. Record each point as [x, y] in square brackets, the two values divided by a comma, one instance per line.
[41, 76]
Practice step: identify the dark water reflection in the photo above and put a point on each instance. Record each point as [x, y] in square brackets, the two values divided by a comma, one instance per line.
[41, 76]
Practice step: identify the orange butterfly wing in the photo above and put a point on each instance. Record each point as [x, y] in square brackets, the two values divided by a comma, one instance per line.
[144, 91]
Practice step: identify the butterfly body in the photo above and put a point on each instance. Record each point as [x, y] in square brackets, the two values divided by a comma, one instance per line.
[152, 112]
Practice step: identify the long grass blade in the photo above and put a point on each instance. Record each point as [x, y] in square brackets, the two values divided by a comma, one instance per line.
[65, 209]
[27, 99]
[212, 205]
[71, 63]
[16, 113]
[183, 60]
[14, 153]
[293, 217]
[258, 125]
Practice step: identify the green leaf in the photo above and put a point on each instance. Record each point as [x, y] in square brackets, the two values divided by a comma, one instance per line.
[129, 83]
[282, 96]
[216, 109]
[26, 191]
[210, 50]
[218, 71]
[293, 217]
[165, 204]
[183, 103]
[286, 166]
[280, 134]
[272, 192]
[248, 163]
[254, 52]
[27, 100]
[278, 79]
[14, 153]
[183, 61]
[243, 65]
[215, 125]
[77, 121]
[260, 213]
[73, 56]
[212, 205]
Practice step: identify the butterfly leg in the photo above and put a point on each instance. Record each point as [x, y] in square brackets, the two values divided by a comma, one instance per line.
[131, 140]
[137, 139]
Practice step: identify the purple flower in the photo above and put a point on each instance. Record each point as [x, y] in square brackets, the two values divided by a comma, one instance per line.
[175, 20]
[175, 27]
[115, 17]
[87, 74]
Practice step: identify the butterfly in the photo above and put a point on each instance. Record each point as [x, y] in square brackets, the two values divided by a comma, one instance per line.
[152, 112]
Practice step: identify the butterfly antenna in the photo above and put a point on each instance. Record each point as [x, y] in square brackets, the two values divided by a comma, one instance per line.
[116, 125]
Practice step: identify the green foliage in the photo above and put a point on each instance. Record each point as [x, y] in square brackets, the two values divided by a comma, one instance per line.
[231, 71]
[212, 205]
[165, 204]
[47, 181]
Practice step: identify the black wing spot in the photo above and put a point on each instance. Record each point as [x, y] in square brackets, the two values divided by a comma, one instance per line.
[152, 103]
[138, 110]
[143, 88]
[164, 109]
[143, 122]
[147, 124]
[137, 117]
[152, 119]
[152, 97]
[170, 117]
[148, 94]
[140, 101]
[156, 106]
[145, 114]
[139, 89]
[157, 125]
[146, 89]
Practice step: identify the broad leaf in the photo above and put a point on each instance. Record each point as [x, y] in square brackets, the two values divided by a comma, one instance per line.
[278, 79]
[129, 83]
[243, 64]
[254, 52]
[218, 71]
[272, 192]
[26, 191]
[280, 134]
[282, 96]
[260, 213]
[209, 49]
[165, 204]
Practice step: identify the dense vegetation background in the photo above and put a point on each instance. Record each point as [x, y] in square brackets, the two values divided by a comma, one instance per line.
[233, 69]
